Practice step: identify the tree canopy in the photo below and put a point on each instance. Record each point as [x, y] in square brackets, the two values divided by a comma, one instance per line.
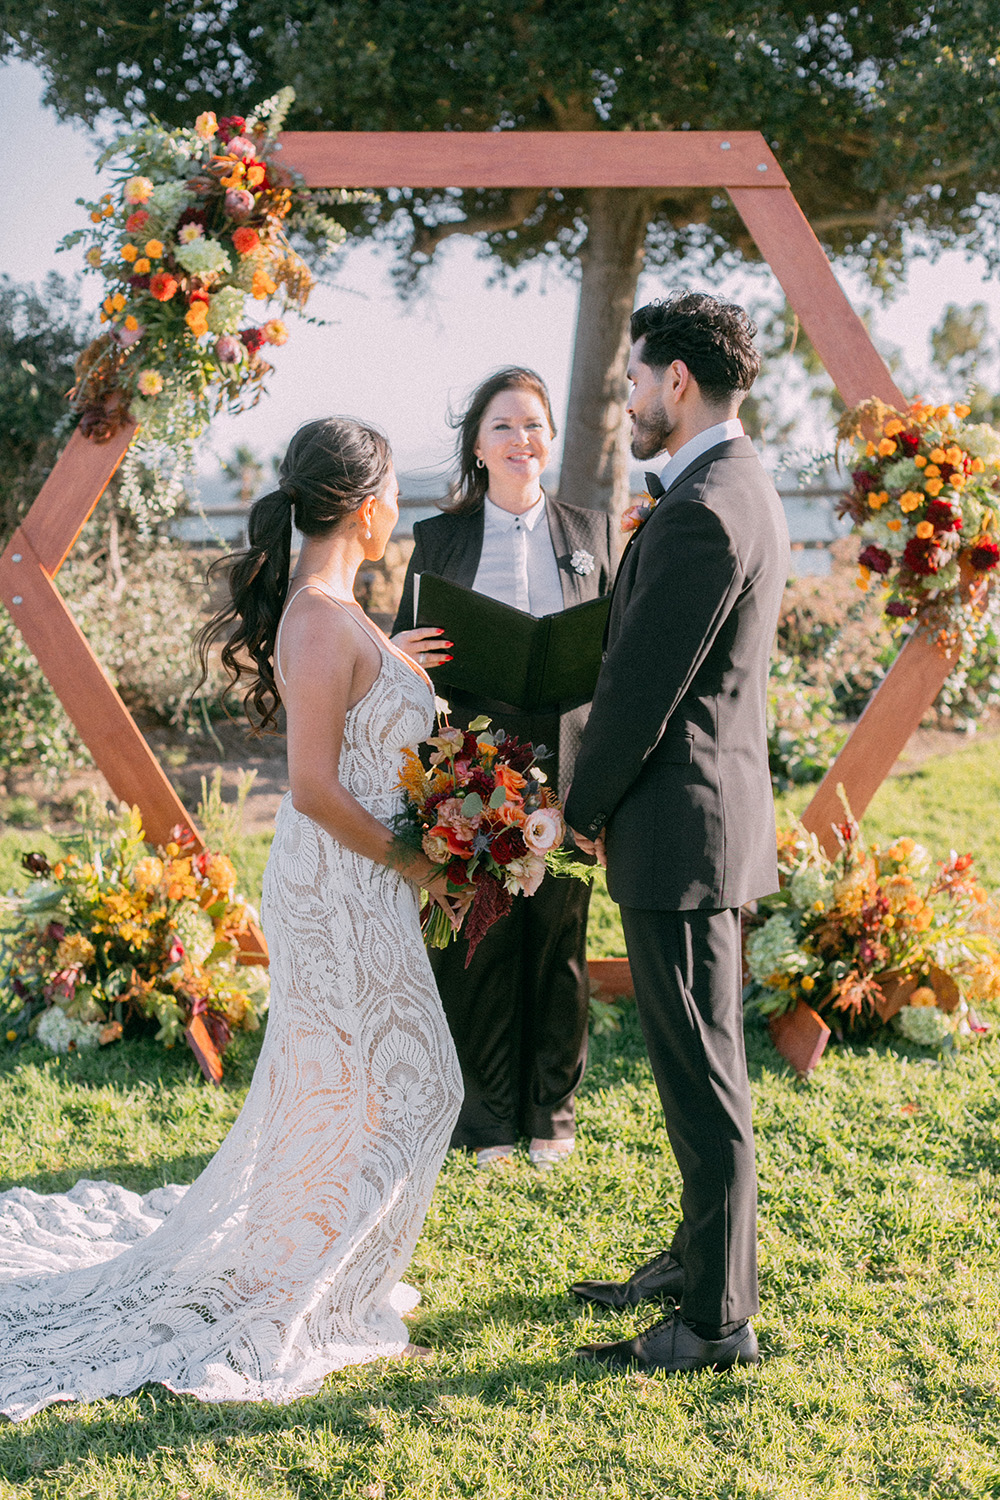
[886, 119]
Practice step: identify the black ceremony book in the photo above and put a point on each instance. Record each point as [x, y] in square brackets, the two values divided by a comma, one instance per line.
[501, 652]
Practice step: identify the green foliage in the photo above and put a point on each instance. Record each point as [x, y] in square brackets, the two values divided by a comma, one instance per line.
[36, 737]
[40, 338]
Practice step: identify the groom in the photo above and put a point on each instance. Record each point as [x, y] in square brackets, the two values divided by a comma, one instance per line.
[671, 789]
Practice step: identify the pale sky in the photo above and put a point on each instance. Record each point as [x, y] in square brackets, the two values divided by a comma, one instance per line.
[398, 366]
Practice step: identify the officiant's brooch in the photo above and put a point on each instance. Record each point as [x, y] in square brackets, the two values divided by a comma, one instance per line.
[582, 562]
[637, 515]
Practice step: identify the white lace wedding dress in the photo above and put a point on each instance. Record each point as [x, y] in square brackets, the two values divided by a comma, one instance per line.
[282, 1261]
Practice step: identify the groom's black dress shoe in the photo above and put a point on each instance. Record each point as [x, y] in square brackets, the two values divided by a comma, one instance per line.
[673, 1345]
[658, 1279]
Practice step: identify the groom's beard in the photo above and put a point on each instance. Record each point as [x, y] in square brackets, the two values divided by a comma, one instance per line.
[650, 432]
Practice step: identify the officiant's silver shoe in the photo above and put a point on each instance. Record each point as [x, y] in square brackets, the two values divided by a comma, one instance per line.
[659, 1280]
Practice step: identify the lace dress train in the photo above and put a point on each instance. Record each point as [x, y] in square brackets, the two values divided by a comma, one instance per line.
[282, 1261]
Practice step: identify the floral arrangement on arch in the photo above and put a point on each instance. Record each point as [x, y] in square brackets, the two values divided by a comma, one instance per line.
[925, 500]
[876, 934]
[113, 937]
[193, 247]
[482, 814]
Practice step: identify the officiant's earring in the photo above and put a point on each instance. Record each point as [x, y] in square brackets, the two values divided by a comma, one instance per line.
[480, 464]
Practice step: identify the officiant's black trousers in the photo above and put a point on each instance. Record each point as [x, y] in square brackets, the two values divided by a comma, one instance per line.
[519, 1016]
[687, 974]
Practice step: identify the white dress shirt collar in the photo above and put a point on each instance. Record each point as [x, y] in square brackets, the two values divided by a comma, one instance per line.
[722, 432]
[498, 519]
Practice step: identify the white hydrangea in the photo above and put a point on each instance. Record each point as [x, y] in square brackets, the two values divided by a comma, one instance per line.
[924, 1024]
[58, 1031]
[166, 203]
[875, 528]
[903, 474]
[225, 311]
[982, 441]
[810, 888]
[196, 931]
[773, 949]
[203, 257]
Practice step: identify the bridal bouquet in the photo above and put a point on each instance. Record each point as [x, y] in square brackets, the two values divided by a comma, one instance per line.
[482, 813]
[113, 935]
[925, 498]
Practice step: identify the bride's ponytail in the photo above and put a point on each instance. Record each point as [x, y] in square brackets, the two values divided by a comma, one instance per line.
[330, 468]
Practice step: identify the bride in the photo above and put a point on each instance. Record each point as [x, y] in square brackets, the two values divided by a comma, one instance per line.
[282, 1261]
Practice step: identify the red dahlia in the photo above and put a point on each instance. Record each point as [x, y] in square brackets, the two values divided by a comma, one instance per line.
[252, 339]
[942, 517]
[909, 441]
[508, 845]
[922, 555]
[876, 558]
[864, 481]
[984, 555]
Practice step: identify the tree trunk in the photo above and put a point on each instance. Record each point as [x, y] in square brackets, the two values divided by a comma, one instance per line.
[595, 447]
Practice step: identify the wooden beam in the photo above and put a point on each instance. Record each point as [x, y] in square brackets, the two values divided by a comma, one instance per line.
[783, 236]
[68, 497]
[531, 158]
[894, 711]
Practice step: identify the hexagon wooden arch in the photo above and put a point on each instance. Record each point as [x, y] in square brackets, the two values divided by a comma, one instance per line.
[739, 162]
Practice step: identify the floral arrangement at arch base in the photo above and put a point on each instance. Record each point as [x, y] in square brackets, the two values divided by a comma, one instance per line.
[876, 936]
[925, 502]
[116, 939]
[193, 247]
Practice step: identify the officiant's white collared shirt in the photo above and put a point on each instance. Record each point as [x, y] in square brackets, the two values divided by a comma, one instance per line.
[722, 432]
[518, 562]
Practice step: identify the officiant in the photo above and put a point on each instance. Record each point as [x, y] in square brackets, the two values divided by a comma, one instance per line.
[519, 1012]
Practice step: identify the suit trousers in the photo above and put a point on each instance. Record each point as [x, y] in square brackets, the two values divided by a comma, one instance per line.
[686, 968]
[519, 1017]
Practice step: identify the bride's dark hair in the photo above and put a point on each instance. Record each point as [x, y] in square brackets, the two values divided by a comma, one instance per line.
[331, 467]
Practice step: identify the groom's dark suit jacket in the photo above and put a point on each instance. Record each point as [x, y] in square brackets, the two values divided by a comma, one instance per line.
[674, 758]
[450, 546]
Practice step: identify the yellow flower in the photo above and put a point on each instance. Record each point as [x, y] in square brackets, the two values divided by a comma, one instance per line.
[957, 481]
[74, 949]
[118, 302]
[220, 874]
[870, 450]
[893, 426]
[962, 411]
[94, 257]
[886, 446]
[196, 318]
[148, 872]
[255, 175]
[235, 178]
[275, 332]
[131, 323]
[954, 454]
[808, 982]
[262, 286]
[172, 850]
[154, 249]
[12, 1036]
[895, 524]
[933, 488]
[108, 306]
[937, 456]
[95, 217]
[909, 500]
[924, 530]
[878, 498]
[141, 267]
[206, 125]
[864, 578]
[977, 466]
[129, 252]
[942, 413]
[150, 383]
[923, 996]
[932, 471]
[919, 460]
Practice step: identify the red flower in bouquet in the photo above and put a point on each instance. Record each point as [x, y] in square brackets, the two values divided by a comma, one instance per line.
[922, 555]
[984, 555]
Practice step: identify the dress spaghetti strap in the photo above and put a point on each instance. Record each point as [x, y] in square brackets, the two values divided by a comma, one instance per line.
[321, 588]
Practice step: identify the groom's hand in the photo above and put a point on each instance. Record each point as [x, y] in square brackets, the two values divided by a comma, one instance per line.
[592, 846]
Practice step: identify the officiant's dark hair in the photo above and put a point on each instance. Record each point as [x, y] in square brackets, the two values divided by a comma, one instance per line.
[331, 467]
[468, 492]
[713, 338]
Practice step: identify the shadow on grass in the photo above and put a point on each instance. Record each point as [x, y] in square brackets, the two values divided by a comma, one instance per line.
[137, 1177]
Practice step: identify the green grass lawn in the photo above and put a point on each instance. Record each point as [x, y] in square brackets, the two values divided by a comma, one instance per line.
[880, 1279]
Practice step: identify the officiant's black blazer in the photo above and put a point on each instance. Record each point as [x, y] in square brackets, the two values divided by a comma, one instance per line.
[450, 546]
[673, 761]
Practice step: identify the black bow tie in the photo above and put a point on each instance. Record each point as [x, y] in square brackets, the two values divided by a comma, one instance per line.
[653, 486]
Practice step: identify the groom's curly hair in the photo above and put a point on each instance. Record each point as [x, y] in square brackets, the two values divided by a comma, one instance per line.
[714, 339]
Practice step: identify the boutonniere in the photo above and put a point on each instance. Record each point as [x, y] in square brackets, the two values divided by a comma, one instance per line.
[637, 515]
[582, 562]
